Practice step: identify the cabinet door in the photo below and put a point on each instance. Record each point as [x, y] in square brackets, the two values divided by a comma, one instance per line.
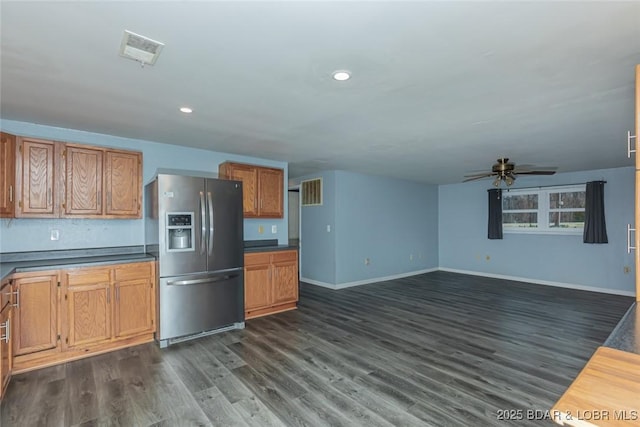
[89, 314]
[133, 308]
[35, 178]
[5, 349]
[123, 184]
[285, 282]
[271, 182]
[35, 317]
[88, 306]
[83, 189]
[257, 281]
[7, 174]
[249, 176]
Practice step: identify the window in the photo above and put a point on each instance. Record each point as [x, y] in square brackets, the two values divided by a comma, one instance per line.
[558, 210]
[312, 192]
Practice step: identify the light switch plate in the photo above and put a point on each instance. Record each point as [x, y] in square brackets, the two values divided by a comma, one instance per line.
[274, 229]
[55, 234]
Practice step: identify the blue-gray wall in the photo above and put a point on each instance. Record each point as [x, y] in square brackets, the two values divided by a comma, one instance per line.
[552, 258]
[386, 220]
[17, 235]
[317, 245]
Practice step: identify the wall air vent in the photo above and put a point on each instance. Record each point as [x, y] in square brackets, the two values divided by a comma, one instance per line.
[312, 192]
[140, 48]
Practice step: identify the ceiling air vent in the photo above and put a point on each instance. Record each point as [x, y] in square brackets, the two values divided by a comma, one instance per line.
[312, 192]
[140, 48]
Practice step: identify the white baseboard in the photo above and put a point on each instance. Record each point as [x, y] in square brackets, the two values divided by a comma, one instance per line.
[366, 281]
[541, 282]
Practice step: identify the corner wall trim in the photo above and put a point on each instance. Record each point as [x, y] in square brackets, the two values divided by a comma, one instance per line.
[366, 281]
[541, 282]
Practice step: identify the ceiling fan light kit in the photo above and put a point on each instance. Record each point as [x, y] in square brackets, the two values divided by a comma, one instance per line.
[505, 171]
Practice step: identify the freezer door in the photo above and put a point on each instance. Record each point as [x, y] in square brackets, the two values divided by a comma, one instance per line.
[225, 232]
[183, 195]
[199, 303]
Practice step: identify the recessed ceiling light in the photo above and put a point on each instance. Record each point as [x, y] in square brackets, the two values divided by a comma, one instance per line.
[186, 110]
[341, 75]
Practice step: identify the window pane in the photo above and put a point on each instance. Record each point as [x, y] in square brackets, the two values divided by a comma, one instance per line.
[566, 220]
[519, 201]
[574, 199]
[520, 220]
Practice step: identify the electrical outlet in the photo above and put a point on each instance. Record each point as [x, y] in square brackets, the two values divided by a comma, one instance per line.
[274, 229]
[328, 228]
[411, 257]
[260, 229]
[367, 261]
[55, 235]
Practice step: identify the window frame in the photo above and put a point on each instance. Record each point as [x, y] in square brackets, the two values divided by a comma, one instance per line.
[543, 210]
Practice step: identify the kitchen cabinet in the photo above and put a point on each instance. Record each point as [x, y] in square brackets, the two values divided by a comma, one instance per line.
[133, 287]
[35, 314]
[271, 282]
[5, 335]
[87, 298]
[637, 213]
[123, 184]
[69, 314]
[7, 174]
[262, 188]
[36, 177]
[64, 180]
[83, 185]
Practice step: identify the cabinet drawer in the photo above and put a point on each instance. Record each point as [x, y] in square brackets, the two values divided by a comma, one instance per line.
[87, 276]
[284, 256]
[141, 270]
[257, 258]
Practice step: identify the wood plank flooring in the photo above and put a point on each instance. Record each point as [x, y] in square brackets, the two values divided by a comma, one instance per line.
[439, 349]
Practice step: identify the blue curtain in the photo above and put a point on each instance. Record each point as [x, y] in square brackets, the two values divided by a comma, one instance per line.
[495, 214]
[595, 227]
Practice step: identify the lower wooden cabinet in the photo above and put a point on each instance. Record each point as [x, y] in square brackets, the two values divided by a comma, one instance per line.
[5, 348]
[270, 282]
[64, 315]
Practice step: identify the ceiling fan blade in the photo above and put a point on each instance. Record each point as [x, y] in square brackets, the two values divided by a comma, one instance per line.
[534, 172]
[474, 177]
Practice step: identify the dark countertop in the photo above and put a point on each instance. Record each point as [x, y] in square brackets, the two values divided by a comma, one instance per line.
[54, 260]
[270, 248]
[626, 335]
[268, 245]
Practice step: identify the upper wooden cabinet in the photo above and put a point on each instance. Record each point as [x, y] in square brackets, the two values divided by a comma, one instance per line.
[262, 188]
[123, 178]
[36, 175]
[57, 179]
[7, 174]
[83, 183]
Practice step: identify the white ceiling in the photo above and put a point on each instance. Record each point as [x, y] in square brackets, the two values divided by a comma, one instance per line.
[439, 89]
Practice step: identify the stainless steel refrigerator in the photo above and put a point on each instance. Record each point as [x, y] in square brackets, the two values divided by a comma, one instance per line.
[194, 228]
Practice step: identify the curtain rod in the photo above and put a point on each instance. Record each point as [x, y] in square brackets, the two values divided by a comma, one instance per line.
[549, 186]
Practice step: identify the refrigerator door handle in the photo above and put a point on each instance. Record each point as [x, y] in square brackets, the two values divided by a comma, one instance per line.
[203, 223]
[200, 281]
[210, 204]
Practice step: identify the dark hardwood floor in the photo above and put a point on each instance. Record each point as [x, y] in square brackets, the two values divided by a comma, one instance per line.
[439, 349]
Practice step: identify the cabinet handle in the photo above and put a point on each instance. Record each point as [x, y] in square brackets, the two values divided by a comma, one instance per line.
[49, 196]
[17, 294]
[11, 194]
[117, 293]
[7, 331]
[629, 138]
[629, 230]
[108, 296]
[269, 275]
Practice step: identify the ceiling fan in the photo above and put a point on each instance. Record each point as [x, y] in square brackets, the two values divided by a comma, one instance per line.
[505, 171]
